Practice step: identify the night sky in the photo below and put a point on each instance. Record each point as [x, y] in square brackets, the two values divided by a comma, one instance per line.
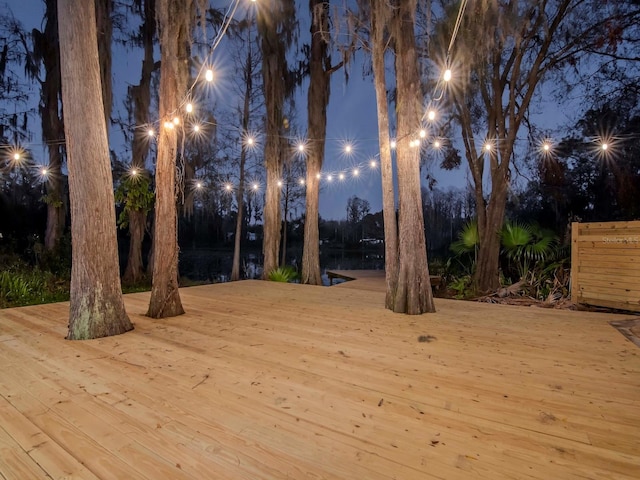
[351, 118]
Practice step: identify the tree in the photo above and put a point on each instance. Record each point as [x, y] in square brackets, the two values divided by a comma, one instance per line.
[276, 23]
[175, 18]
[378, 15]
[504, 51]
[140, 96]
[413, 289]
[46, 52]
[320, 71]
[248, 71]
[97, 308]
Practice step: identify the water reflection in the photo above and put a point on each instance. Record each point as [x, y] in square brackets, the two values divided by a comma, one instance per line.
[214, 265]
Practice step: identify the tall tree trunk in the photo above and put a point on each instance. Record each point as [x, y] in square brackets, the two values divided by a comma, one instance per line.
[53, 129]
[246, 113]
[413, 291]
[378, 13]
[274, 27]
[141, 96]
[97, 308]
[174, 22]
[317, 101]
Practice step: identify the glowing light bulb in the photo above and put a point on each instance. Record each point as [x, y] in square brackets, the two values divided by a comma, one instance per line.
[423, 133]
[546, 147]
[227, 187]
[199, 185]
[44, 171]
[196, 128]
[329, 178]
[318, 176]
[605, 146]
[255, 186]
[301, 147]
[447, 75]
[373, 163]
[487, 147]
[279, 183]
[208, 75]
[134, 172]
[393, 144]
[347, 149]
[189, 107]
[151, 133]
[302, 181]
[176, 121]
[168, 125]
[356, 172]
[431, 115]
[341, 176]
[250, 141]
[436, 144]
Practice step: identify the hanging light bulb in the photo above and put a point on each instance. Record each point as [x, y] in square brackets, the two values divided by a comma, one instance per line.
[431, 115]
[150, 132]
[393, 144]
[279, 183]
[341, 176]
[227, 187]
[189, 108]
[301, 147]
[347, 148]
[302, 181]
[176, 120]
[208, 75]
[423, 133]
[250, 141]
[196, 128]
[447, 75]
[356, 172]
[134, 172]
[436, 144]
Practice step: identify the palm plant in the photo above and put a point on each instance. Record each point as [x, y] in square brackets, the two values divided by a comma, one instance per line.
[468, 243]
[527, 244]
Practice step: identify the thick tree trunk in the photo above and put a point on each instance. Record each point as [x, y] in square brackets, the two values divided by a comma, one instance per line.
[378, 11]
[272, 216]
[97, 308]
[274, 98]
[174, 20]
[413, 291]
[487, 274]
[275, 26]
[317, 101]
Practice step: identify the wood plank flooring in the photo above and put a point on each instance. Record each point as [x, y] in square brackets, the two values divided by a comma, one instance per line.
[263, 380]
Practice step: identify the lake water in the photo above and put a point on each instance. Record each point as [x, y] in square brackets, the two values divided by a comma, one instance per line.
[214, 265]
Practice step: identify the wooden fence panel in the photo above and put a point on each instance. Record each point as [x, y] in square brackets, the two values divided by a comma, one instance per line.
[605, 264]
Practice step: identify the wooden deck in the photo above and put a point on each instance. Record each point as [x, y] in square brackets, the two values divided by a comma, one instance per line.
[263, 380]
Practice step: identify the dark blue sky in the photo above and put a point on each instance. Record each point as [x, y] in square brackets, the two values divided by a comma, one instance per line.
[351, 118]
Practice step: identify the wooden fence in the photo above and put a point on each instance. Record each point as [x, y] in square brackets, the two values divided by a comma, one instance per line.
[605, 264]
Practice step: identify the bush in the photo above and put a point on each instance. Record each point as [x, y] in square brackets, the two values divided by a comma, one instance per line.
[283, 274]
[20, 285]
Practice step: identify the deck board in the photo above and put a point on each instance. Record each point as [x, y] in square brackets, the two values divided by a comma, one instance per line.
[263, 380]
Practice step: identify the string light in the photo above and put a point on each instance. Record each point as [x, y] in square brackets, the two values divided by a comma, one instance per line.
[151, 133]
[356, 172]
[436, 144]
[341, 176]
[134, 172]
[393, 144]
[604, 146]
[348, 148]
[301, 181]
[279, 183]
[447, 75]
[208, 75]
[196, 128]
[189, 108]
